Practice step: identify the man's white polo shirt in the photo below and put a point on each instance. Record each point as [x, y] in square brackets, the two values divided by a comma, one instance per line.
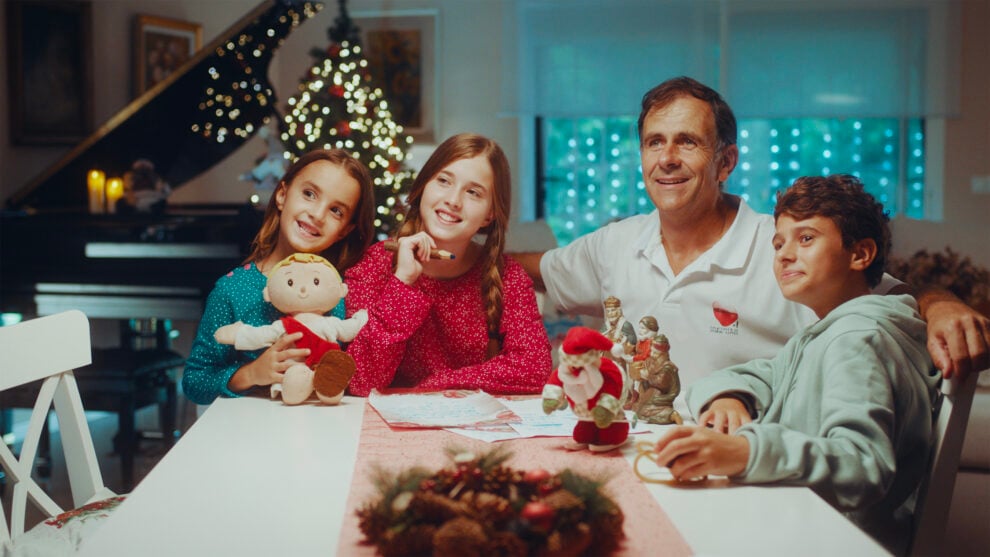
[723, 309]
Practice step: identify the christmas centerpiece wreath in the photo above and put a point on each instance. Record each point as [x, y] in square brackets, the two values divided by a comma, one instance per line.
[478, 506]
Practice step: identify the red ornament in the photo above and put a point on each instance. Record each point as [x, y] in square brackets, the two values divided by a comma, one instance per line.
[344, 129]
[536, 476]
[539, 515]
[334, 50]
[336, 90]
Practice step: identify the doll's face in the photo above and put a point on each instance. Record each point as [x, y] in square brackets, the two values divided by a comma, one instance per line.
[304, 288]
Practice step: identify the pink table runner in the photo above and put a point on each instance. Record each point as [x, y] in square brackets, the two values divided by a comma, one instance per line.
[648, 529]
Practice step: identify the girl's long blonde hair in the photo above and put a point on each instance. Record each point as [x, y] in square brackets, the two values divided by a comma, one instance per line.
[466, 146]
[348, 250]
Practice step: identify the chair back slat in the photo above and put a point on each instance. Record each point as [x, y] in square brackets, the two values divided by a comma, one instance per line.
[935, 491]
[48, 348]
[41, 347]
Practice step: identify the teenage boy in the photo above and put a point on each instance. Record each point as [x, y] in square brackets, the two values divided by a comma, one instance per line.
[845, 407]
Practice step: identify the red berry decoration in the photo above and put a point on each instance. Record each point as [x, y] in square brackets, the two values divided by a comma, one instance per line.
[539, 515]
[536, 476]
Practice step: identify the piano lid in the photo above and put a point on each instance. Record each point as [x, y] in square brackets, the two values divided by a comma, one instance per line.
[187, 123]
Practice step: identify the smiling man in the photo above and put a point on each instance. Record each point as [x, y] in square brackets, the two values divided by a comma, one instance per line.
[701, 263]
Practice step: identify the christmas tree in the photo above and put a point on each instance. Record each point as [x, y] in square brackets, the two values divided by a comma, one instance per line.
[339, 106]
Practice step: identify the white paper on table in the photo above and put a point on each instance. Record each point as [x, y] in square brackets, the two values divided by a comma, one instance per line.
[441, 409]
[534, 423]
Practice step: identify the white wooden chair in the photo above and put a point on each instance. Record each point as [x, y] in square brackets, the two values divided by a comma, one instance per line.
[935, 492]
[48, 349]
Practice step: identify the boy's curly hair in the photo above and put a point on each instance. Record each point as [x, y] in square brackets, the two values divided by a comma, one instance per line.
[842, 199]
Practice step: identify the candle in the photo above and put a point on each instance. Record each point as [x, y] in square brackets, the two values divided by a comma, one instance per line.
[115, 190]
[95, 181]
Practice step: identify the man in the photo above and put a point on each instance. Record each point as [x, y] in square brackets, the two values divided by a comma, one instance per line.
[702, 262]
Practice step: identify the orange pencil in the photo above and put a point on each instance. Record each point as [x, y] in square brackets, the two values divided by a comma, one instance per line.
[392, 245]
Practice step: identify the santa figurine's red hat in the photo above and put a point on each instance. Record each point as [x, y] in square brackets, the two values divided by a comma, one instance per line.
[582, 339]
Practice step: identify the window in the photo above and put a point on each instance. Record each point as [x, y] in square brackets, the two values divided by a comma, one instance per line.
[843, 86]
[591, 173]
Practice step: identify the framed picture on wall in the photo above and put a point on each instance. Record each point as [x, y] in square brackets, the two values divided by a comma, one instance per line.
[161, 46]
[401, 48]
[50, 67]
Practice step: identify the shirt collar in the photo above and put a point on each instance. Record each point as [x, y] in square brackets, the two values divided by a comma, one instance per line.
[732, 250]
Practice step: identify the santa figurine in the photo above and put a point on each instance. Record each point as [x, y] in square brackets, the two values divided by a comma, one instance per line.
[593, 386]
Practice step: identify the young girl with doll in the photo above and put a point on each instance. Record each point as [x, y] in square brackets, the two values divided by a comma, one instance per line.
[323, 205]
[466, 322]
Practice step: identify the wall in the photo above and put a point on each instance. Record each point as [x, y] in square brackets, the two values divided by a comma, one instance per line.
[469, 62]
[966, 224]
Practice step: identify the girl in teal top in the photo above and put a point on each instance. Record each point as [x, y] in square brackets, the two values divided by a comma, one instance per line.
[324, 204]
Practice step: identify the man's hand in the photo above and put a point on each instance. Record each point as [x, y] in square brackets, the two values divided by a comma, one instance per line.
[958, 335]
[694, 452]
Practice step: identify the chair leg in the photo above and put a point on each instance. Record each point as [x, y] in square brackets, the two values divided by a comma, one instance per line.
[126, 442]
[167, 414]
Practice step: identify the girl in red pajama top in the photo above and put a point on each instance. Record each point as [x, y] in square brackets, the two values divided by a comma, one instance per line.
[470, 322]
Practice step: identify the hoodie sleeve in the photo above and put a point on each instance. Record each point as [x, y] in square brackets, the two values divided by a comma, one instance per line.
[752, 382]
[845, 452]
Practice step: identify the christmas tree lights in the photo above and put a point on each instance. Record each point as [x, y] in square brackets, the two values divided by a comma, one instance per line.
[338, 106]
[238, 94]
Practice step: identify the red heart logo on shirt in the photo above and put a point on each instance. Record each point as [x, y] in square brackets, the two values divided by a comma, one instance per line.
[726, 315]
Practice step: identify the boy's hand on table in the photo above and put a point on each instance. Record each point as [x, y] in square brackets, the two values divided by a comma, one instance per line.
[695, 452]
[725, 415]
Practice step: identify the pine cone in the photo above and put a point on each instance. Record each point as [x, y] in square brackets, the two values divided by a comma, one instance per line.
[435, 508]
[460, 537]
[489, 508]
[413, 541]
[571, 543]
[506, 544]
[372, 523]
[570, 508]
[607, 528]
[499, 479]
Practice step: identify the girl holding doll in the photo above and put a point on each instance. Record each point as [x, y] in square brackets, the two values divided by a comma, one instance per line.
[323, 205]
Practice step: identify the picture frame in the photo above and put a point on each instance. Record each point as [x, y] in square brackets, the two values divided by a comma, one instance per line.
[161, 46]
[51, 71]
[401, 47]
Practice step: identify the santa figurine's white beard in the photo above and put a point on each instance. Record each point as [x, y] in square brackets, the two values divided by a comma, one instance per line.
[582, 387]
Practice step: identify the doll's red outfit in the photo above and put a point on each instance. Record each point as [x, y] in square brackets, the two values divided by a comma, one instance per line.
[433, 334]
[317, 345]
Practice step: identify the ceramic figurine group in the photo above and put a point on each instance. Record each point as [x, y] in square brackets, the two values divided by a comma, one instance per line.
[652, 377]
[602, 374]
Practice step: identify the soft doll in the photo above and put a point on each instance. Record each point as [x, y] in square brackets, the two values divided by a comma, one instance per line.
[304, 287]
[594, 387]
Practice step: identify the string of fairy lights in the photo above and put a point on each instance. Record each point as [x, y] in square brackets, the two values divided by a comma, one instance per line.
[592, 173]
[237, 90]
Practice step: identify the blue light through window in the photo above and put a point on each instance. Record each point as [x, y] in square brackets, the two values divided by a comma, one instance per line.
[591, 172]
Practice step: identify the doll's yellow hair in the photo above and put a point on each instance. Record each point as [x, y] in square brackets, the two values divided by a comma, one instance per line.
[304, 258]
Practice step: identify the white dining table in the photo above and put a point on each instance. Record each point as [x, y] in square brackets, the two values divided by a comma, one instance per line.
[253, 476]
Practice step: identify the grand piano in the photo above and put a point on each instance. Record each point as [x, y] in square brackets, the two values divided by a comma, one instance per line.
[159, 264]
